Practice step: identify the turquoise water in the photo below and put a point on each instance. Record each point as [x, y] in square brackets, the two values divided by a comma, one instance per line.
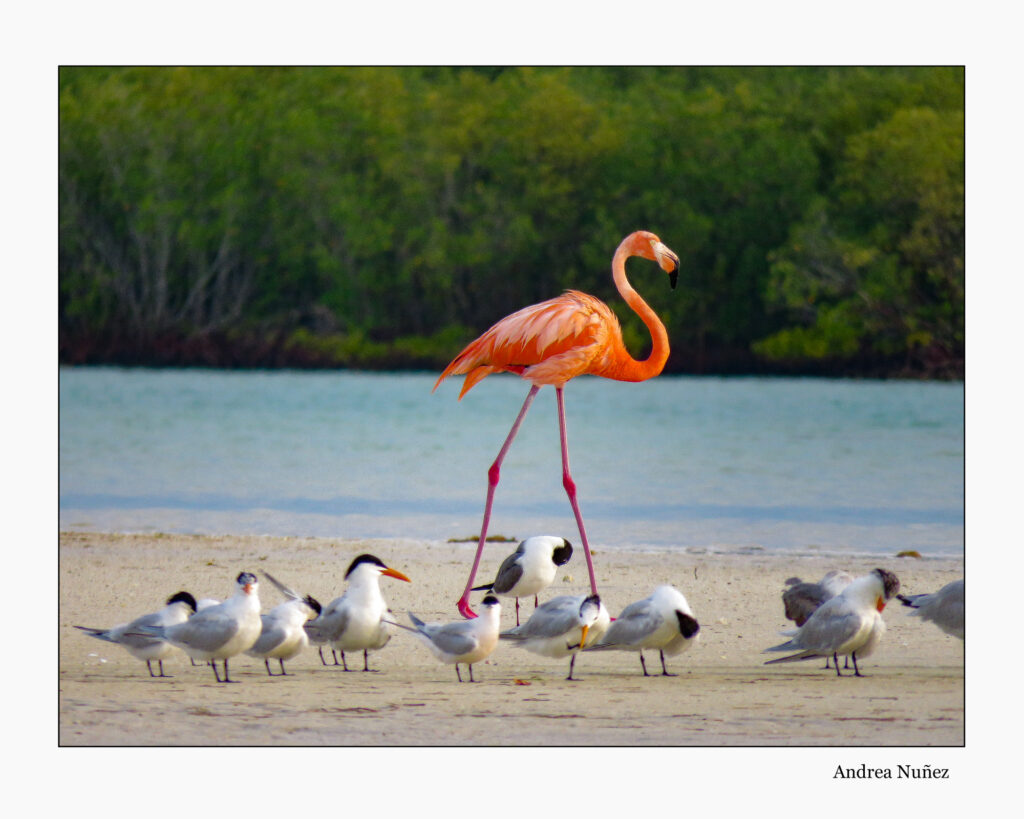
[721, 464]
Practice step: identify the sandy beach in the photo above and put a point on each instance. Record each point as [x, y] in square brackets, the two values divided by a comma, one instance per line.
[912, 694]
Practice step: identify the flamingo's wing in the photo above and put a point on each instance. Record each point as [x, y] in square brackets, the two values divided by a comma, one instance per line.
[571, 329]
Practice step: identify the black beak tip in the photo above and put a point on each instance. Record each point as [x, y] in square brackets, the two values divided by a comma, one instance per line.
[673, 277]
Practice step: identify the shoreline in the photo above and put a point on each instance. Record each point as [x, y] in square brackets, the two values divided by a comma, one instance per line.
[913, 694]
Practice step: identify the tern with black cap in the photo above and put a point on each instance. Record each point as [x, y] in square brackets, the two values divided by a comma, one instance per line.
[464, 641]
[178, 609]
[283, 636]
[356, 620]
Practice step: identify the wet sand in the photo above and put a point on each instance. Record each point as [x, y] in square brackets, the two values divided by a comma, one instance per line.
[912, 694]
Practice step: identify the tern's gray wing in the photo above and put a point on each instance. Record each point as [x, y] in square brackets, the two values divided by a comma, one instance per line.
[121, 635]
[328, 626]
[205, 633]
[826, 634]
[314, 630]
[801, 599]
[637, 621]
[945, 607]
[337, 624]
[126, 638]
[552, 619]
[509, 573]
[452, 638]
[273, 634]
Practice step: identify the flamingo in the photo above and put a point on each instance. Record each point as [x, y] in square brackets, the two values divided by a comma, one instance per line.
[553, 342]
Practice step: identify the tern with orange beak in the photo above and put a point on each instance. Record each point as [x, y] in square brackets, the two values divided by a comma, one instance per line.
[562, 626]
[218, 632]
[356, 620]
[850, 623]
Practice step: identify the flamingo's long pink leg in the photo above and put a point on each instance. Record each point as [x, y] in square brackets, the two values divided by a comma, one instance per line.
[570, 488]
[493, 474]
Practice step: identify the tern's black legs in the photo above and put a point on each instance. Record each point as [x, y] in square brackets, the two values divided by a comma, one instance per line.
[572, 663]
[470, 667]
[664, 671]
[161, 674]
[366, 661]
[517, 611]
[643, 665]
[835, 662]
[227, 679]
[856, 671]
[270, 673]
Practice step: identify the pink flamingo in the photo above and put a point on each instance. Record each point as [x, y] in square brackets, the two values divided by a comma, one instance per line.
[554, 341]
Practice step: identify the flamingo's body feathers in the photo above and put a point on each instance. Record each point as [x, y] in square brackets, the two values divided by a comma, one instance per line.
[546, 343]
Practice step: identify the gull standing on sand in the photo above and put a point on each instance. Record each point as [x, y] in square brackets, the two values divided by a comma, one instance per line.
[945, 607]
[562, 626]
[530, 568]
[218, 632]
[177, 610]
[356, 620]
[662, 621]
[282, 636]
[850, 623]
[464, 641]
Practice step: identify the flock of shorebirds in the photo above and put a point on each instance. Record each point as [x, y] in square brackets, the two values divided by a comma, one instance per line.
[548, 343]
[838, 616]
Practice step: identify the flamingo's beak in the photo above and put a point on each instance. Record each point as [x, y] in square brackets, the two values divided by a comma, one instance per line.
[669, 262]
[396, 574]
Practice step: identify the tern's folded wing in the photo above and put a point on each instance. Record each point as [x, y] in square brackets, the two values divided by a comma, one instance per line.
[553, 619]
[273, 634]
[828, 634]
[453, 639]
[636, 623]
[206, 634]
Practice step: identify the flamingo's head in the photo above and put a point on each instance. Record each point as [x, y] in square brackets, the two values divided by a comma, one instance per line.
[646, 244]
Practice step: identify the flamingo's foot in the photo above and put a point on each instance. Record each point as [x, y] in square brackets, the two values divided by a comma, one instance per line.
[465, 610]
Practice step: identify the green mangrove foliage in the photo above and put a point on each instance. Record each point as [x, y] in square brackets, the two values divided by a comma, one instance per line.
[380, 217]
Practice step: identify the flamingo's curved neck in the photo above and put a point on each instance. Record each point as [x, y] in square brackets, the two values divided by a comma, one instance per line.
[627, 368]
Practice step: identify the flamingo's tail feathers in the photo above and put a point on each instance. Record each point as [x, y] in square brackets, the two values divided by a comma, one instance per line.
[474, 377]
